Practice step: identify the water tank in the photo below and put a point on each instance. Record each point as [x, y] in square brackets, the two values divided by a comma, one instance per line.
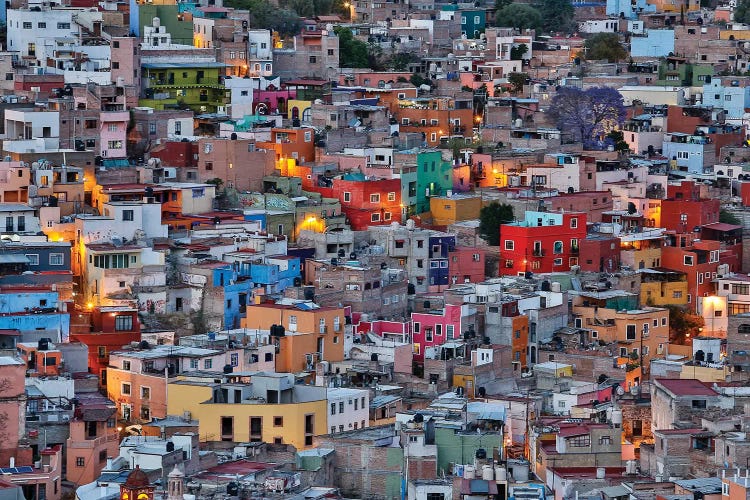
[228, 368]
[617, 418]
[170, 446]
[418, 418]
[156, 23]
[488, 473]
[601, 472]
[43, 344]
[501, 474]
[555, 287]
[469, 472]
[309, 292]
[545, 286]
[410, 225]
[481, 454]
[630, 467]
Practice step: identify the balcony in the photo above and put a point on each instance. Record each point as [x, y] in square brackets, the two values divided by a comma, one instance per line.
[94, 443]
[538, 252]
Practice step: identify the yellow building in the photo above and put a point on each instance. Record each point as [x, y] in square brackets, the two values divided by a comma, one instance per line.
[662, 287]
[734, 34]
[447, 210]
[267, 407]
[676, 5]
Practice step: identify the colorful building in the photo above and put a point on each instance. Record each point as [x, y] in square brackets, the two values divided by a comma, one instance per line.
[543, 242]
[699, 262]
[274, 409]
[435, 328]
[197, 85]
[684, 209]
[434, 178]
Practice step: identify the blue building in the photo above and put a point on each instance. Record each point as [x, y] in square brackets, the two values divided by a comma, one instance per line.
[238, 292]
[630, 9]
[440, 245]
[275, 275]
[35, 311]
[656, 43]
[685, 151]
[34, 256]
[726, 94]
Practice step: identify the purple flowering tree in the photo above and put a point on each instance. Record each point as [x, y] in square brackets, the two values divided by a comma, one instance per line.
[588, 115]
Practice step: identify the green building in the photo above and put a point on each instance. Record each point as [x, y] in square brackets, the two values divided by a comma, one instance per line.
[679, 71]
[434, 178]
[456, 445]
[170, 17]
[198, 86]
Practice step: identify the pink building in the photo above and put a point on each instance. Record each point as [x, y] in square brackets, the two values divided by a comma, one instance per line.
[432, 329]
[466, 265]
[113, 132]
[12, 391]
[272, 100]
[398, 331]
[93, 438]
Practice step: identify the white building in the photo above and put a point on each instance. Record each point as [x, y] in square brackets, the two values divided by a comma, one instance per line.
[260, 55]
[240, 96]
[26, 128]
[348, 409]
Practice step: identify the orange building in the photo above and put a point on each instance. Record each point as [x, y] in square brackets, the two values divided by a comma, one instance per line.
[311, 335]
[296, 143]
[438, 118]
[93, 438]
[41, 357]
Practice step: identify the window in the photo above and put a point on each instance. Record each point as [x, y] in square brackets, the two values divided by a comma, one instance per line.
[194, 364]
[27, 25]
[374, 198]
[127, 215]
[123, 323]
[682, 155]
[333, 408]
[126, 365]
[125, 389]
[114, 144]
[416, 327]
[278, 421]
[688, 260]
[145, 392]
[208, 364]
[102, 351]
[580, 441]
[637, 427]
[313, 59]
[630, 332]
[347, 197]
[375, 217]
[449, 331]
[41, 26]
[56, 259]
[63, 26]
[605, 440]
[557, 247]
[391, 196]
[509, 245]
[33, 259]
[80, 462]
[699, 403]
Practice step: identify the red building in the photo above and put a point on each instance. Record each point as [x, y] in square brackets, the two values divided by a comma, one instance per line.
[699, 261]
[177, 154]
[435, 328]
[684, 210]
[543, 242]
[600, 253]
[103, 330]
[466, 265]
[365, 202]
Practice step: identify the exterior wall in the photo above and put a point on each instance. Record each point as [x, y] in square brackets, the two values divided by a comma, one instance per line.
[466, 265]
[440, 326]
[12, 409]
[559, 236]
[238, 163]
[187, 397]
[90, 448]
[356, 405]
[699, 274]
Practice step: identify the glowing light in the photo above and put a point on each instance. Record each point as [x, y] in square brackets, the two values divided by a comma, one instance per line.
[90, 305]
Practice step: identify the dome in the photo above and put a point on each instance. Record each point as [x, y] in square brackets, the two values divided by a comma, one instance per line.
[176, 472]
[137, 479]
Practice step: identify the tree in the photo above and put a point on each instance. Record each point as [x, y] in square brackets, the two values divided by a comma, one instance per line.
[517, 52]
[501, 4]
[557, 15]
[605, 46]
[265, 15]
[353, 53]
[490, 219]
[728, 217]
[588, 115]
[742, 12]
[683, 325]
[519, 16]
[518, 80]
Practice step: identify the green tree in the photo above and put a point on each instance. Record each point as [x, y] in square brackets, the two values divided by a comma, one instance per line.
[557, 15]
[728, 217]
[519, 16]
[490, 218]
[683, 324]
[501, 4]
[605, 46]
[518, 80]
[517, 52]
[416, 79]
[353, 53]
[263, 14]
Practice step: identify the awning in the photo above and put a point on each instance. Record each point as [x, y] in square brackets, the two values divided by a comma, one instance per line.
[721, 226]
[13, 258]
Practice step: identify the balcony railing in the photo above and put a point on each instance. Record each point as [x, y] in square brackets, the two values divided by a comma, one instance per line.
[94, 443]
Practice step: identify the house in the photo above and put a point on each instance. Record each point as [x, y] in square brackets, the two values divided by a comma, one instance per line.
[196, 85]
[678, 401]
[264, 407]
[93, 437]
[438, 327]
[684, 209]
[543, 242]
[699, 262]
[349, 409]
